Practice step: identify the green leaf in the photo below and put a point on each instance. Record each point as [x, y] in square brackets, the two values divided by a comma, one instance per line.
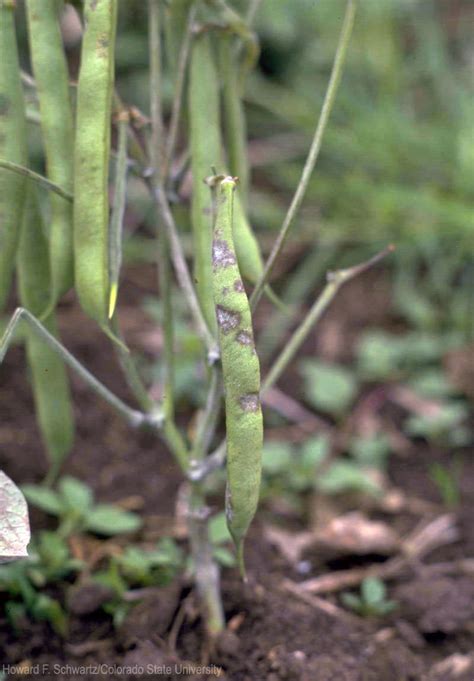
[46, 608]
[378, 355]
[431, 383]
[352, 601]
[346, 476]
[75, 494]
[224, 556]
[52, 549]
[314, 451]
[109, 520]
[373, 591]
[218, 530]
[112, 578]
[14, 523]
[371, 451]
[329, 387]
[276, 457]
[42, 497]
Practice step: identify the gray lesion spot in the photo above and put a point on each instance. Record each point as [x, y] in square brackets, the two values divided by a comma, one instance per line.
[222, 256]
[244, 338]
[228, 320]
[238, 286]
[250, 402]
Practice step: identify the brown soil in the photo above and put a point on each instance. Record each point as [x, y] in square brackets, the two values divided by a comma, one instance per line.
[273, 635]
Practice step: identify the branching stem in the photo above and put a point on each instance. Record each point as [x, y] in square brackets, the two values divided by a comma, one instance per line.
[313, 152]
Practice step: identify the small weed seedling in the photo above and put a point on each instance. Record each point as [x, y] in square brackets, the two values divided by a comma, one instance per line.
[372, 601]
[73, 504]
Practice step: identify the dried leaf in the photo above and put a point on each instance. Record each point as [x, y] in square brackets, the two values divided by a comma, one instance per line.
[14, 522]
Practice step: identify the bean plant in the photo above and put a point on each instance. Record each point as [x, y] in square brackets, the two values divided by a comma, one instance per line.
[209, 50]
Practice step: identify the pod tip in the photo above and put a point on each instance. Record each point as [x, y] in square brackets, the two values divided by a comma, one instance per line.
[113, 299]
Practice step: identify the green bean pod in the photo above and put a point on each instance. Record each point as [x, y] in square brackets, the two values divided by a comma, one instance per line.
[205, 144]
[91, 159]
[241, 374]
[12, 147]
[57, 127]
[49, 378]
[234, 118]
[248, 251]
[118, 210]
[176, 16]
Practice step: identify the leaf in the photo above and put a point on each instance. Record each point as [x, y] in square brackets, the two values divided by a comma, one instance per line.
[276, 457]
[351, 601]
[218, 531]
[224, 556]
[49, 609]
[75, 494]
[329, 387]
[371, 451]
[14, 522]
[373, 591]
[43, 498]
[109, 520]
[378, 355]
[344, 476]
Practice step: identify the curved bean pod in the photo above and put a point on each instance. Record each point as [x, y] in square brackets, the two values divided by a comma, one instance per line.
[12, 147]
[49, 378]
[91, 159]
[241, 373]
[52, 83]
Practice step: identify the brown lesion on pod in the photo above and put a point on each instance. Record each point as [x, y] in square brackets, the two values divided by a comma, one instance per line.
[228, 320]
[245, 338]
[250, 403]
[238, 286]
[222, 255]
[102, 45]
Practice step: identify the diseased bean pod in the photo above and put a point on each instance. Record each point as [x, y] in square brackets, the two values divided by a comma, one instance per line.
[49, 377]
[12, 147]
[91, 158]
[205, 143]
[241, 373]
[51, 75]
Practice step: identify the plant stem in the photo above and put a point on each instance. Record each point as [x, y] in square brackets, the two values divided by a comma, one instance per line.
[334, 282]
[207, 422]
[182, 273]
[313, 152]
[133, 417]
[206, 571]
[36, 177]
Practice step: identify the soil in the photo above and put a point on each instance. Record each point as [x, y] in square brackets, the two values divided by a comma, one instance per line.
[273, 634]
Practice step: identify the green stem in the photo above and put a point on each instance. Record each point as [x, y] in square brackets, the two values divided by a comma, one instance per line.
[36, 177]
[133, 417]
[313, 152]
[206, 570]
[334, 282]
